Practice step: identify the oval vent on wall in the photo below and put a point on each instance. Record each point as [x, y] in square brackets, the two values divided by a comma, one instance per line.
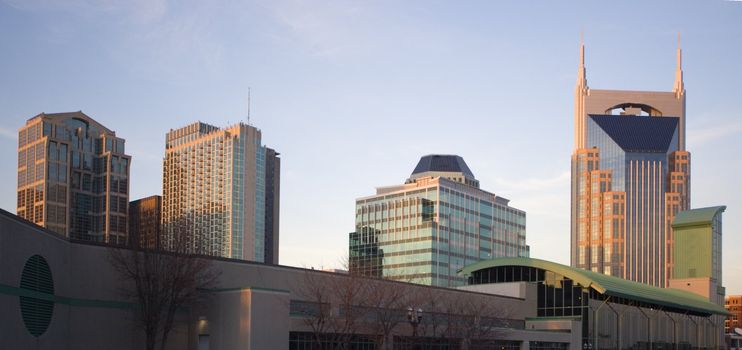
[37, 308]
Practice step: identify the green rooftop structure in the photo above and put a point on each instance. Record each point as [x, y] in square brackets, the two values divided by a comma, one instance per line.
[696, 255]
[697, 247]
[606, 311]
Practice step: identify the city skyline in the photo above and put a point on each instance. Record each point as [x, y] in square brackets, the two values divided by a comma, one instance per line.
[330, 94]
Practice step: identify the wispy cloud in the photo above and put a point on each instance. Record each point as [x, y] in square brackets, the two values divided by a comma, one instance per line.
[156, 39]
[167, 49]
[534, 184]
[8, 133]
[137, 10]
[699, 136]
[325, 30]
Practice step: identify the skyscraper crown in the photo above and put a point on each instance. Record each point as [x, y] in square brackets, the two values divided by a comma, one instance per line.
[452, 167]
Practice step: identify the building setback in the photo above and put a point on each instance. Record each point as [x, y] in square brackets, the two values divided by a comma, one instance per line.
[630, 176]
[436, 223]
[73, 177]
[145, 216]
[215, 192]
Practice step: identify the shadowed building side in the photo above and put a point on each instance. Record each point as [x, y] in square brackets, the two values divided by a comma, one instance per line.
[272, 204]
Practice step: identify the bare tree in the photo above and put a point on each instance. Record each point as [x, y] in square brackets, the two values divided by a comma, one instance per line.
[333, 307]
[160, 284]
[315, 307]
[480, 322]
[463, 321]
[387, 305]
[351, 295]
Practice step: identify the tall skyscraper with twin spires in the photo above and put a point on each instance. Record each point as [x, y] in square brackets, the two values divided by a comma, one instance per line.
[630, 177]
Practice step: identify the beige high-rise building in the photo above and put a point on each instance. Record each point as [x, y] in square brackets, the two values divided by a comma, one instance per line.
[630, 176]
[73, 177]
[221, 192]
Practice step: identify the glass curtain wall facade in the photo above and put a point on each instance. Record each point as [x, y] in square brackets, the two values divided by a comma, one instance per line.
[73, 177]
[214, 192]
[625, 206]
[427, 229]
[610, 322]
[630, 177]
[145, 216]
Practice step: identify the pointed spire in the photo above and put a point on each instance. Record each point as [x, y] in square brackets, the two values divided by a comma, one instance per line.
[581, 75]
[679, 87]
[582, 49]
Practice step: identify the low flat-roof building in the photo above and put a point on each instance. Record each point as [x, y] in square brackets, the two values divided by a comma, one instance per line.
[610, 312]
[61, 294]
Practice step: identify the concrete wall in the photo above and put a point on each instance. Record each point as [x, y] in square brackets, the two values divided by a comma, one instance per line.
[248, 319]
[249, 308]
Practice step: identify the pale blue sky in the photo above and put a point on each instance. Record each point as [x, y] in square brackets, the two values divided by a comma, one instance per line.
[353, 93]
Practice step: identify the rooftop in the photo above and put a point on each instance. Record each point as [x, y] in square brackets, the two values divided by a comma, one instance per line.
[700, 216]
[79, 115]
[639, 133]
[611, 285]
[442, 163]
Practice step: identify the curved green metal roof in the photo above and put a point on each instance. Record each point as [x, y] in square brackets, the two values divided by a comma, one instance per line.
[610, 285]
[698, 216]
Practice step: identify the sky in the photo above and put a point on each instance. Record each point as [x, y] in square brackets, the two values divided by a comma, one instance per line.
[352, 94]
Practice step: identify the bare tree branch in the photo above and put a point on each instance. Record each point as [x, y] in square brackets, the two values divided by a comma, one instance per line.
[162, 284]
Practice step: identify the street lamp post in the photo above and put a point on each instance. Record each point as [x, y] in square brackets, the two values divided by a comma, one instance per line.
[414, 317]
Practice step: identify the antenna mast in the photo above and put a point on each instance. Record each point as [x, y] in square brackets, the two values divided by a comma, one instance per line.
[248, 106]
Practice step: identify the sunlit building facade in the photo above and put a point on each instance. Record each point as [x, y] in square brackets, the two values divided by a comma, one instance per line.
[73, 177]
[439, 221]
[145, 217]
[630, 176]
[215, 192]
[733, 304]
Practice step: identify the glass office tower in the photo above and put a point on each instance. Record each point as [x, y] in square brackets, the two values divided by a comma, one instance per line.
[73, 177]
[630, 176]
[439, 221]
[214, 192]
